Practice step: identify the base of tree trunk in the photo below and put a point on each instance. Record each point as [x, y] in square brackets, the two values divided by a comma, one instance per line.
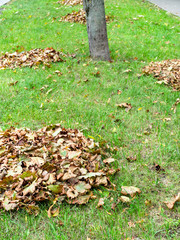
[96, 28]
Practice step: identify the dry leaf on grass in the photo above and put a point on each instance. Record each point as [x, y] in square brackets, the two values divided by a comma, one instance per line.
[171, 203]
[167, 72]
[108, 160]
[125, 199]
[47, 164]
[130, 190]
[30, 58]
[175, 105]
[100, 203]
[131, 224]
[127, 106]
[77, 17]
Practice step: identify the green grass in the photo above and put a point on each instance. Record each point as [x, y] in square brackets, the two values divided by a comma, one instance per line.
[78, 103]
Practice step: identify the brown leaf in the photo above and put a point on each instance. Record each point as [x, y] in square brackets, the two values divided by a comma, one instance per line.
[127, 106]
[37, 160]
[125, 199]
[131, 158]
[30, 189]
[131, 224]
[82, 187]
[9, 205]
[171, 203]
[72, 193]
[81, 199]
[130, 190]
[100, 203]
[108, 160]
[55, 212]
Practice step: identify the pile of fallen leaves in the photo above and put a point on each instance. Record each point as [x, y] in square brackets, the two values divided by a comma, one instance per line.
[71, 2]
[79, 17]
[51, 163]
[30, 58]
[167, 72]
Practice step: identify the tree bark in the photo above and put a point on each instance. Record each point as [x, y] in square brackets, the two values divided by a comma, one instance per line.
[96, 28]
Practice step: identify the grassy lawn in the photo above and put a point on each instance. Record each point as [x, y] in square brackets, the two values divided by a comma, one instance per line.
[80, 98]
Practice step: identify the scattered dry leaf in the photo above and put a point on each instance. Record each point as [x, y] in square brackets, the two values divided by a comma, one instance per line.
[171, 203]
[127, 106]
[100, 203]
[175, 105]
[130, 190]
[125, 199]
[131, 158]
[131, 224]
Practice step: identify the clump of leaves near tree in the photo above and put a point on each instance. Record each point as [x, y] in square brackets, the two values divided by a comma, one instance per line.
[71, 2]
[78, 17]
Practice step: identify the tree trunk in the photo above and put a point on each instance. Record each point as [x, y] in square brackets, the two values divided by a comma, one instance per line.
[96, 28]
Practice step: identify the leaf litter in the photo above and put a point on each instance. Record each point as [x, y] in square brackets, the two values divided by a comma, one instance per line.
[31, 58]
[52, 163]
[77, 17]
[70, 2]
[167, 72]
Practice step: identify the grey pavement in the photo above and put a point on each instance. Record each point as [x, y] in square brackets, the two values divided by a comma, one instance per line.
[2, 2]
[172, 6]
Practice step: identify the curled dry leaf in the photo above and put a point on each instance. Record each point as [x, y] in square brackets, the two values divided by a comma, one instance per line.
[131, 158]
[50, 163]
[130, 190]
[171, 203]
[127, 106]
